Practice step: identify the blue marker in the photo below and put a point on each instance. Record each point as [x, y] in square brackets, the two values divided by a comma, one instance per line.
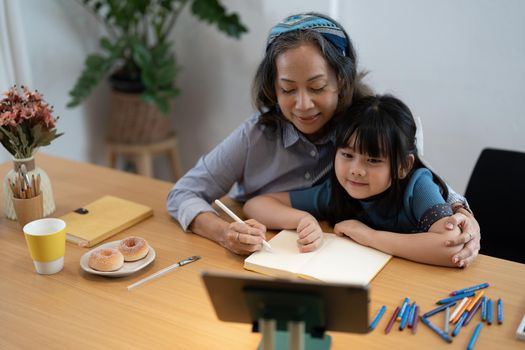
[460, 323]
[475, 335]
[500, 311]
[378, 317]
[411, 315]
[489, 311]
[455, 297]
[470, 289]
[403, 309]
[439, 309]
[436, 329]
[404, 319]
[483, 308]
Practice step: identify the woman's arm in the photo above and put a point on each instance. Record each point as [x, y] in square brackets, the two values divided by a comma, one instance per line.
[425, 247]
[274, 210]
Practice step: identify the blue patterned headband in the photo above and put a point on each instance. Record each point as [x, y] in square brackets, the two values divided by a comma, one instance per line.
[328, 29]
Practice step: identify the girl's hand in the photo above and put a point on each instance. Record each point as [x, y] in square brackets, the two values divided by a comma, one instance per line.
[244, 238]
[356, 230]
[470, 238]
[310, 234]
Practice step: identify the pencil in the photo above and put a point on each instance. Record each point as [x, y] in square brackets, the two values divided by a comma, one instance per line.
[489, 311]
[483, 309]
[447, 317]
[460, 323]
[411, 315]
[392, 320]
[439, 309]
[472, 312]
[238, 219]
[454, 298]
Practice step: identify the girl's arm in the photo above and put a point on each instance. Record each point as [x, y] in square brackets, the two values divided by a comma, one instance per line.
[275, 212]
[425, 247]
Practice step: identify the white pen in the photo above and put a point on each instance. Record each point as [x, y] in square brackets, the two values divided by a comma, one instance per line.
[238, 219]
[164, 271]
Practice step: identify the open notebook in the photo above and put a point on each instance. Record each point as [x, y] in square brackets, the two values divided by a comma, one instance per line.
[338, 260]
[102, 219]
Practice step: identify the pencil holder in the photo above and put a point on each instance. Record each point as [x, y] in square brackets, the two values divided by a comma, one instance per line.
[45, 186]
[28, 209]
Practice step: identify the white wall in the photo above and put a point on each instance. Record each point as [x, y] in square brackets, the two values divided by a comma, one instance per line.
[459, 65]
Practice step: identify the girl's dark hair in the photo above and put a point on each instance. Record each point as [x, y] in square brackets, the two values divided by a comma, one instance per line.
[345, 68]
[380, 126]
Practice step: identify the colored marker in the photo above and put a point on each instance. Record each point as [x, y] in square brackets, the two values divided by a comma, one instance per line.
[460, 323]
[489, 311]
[472, 313]
[403, 309]
[411, 315]
[439, 309]
[404, 319]
[474, 337]
[447, 317]
[377, 317]
[500, 311]
[469, 289]
[474, 300]
[454, 298]
[483, 309]
[436, 329]
[392, 320]
[459, 309]
[416, 319]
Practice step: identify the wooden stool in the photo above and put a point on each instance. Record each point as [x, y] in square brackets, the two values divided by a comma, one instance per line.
[143, 155]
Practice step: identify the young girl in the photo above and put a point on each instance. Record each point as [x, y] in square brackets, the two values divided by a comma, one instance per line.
[378, 185]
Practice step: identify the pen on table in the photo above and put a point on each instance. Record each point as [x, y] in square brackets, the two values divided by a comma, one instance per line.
[238, 219]
[392, 320]
[378, 317]
[459, 308]
[164, 271]
[436, 329]
[500, 311]
[469, 289]
[474, 337]
[483, 309]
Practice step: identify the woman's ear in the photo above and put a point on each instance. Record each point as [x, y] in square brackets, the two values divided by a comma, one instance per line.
[403, 172]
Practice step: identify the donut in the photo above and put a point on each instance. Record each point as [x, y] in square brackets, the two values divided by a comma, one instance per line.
[106, 259]
[133, 248]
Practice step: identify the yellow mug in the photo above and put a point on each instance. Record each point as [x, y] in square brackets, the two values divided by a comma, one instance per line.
[46, 240]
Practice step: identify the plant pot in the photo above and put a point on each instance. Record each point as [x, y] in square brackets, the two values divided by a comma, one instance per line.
[45, 187]
[133, 120]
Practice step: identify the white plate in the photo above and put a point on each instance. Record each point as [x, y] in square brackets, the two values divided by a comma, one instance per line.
[127, 269]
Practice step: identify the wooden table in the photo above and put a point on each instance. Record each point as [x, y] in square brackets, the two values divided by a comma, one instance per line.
[77, 310]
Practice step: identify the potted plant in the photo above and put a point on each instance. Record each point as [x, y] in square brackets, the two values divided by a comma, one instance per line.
[137, 54]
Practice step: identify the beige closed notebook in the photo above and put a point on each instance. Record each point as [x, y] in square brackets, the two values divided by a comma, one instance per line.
[338, 260]
[103, 218]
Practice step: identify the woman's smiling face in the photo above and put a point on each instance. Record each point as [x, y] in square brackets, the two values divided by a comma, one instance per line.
[306, 88]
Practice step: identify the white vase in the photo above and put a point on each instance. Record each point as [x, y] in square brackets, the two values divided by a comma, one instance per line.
[45, 187]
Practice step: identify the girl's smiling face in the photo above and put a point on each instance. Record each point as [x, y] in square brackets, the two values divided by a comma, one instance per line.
[359, 174]
[306, 88]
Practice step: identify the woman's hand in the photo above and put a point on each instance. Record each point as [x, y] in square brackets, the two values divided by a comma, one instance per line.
[310, 234]
[244, 238]
[470, 238]
[356, 230]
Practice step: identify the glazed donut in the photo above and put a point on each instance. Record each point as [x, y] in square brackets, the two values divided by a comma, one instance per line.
[106, 259]
[133, 248]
